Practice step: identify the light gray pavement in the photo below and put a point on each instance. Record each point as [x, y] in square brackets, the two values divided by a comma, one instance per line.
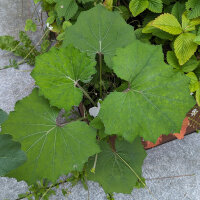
[172, 170]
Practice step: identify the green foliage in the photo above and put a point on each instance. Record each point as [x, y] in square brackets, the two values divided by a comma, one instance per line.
[52, 149]
[194, 86]
[189, 66]
[101, 32]
[177, 10]
[3, 116]
[193, 8]
[185, 44]
[45, 45]
[163, 93]
[22, 47]
[124, 12]
[168, 23]
[63, 68]
[185, 47]
[66, 9]
[11, 155]
[118, 170]
[155, 6]
[30, 25]
[99, 126]
[39, 190]
[97, 57]
[138, 6]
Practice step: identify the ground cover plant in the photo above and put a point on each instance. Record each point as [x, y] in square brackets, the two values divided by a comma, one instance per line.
[119, 71]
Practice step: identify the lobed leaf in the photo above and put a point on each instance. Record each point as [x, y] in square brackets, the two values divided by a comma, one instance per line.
[156, 100]
[52, 149]
[99, 31]
[11, 155]
[116, 174]
[57, 72]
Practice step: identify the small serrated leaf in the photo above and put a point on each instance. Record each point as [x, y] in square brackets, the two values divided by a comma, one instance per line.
[197, 39]
[194, 83]
[155, 6]
[138, 6]
[189, 66]
[197, 96]
[167, 22]
[157, 32]
[185, 47]
[193, 8]
[177, 10]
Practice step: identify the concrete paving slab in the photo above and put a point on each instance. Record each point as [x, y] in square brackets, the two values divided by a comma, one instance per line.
[172, 170]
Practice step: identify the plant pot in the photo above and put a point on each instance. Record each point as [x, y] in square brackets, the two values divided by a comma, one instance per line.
[191, 123]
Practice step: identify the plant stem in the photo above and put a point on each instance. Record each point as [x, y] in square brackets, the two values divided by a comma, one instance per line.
[100, 73]
[85, 93]
[95, 163]
[34, 47]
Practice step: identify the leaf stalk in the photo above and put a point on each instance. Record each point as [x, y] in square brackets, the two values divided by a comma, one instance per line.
[100, 73]
[85, 93]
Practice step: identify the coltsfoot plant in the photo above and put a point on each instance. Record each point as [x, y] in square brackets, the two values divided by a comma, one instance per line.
[99, 92]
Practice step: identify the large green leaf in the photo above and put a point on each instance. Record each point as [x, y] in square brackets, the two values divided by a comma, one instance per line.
[167, 22]
[66, 9]
[185, 47]
[52, 149]
[116, 170]
[57, 72]
[155, 102]
[99, 31]
[3, 116]
[11, 156]
[193, 8]
[138, 6]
